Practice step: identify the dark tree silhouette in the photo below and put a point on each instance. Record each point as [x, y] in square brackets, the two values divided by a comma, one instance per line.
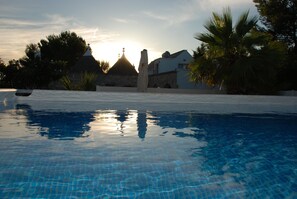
[67, 47]
[280, 20]
[237, 56]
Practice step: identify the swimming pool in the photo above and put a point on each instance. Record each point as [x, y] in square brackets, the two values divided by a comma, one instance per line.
[88, 148]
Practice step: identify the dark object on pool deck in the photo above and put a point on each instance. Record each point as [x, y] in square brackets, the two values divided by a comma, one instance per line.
[23, 92]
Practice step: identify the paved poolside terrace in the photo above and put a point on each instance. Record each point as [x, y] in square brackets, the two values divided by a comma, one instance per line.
[158, 101]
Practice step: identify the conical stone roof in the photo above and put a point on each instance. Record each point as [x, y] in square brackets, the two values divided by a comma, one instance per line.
[87, 63]
[123, 67]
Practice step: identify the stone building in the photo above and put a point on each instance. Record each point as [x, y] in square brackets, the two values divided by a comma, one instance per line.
[122, 74]
[171, 71]
[86, 64]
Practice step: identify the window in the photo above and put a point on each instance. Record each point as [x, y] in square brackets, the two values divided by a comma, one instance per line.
[183, 66]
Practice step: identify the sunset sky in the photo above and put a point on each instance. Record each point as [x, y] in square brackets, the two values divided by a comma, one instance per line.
[110, 25]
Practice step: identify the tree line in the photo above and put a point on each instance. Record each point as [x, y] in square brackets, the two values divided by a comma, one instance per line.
[45, 62]
[248, 57]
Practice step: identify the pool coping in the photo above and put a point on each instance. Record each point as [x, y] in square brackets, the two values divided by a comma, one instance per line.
[204, 103]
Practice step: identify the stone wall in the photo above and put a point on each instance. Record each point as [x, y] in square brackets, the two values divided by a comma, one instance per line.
[288, 93]
[164, 80]
[117, 80]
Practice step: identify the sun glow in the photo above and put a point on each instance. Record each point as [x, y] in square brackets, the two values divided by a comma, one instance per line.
[111, 51]
[115, 122]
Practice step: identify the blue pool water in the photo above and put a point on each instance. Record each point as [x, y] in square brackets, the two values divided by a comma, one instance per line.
[146, 154]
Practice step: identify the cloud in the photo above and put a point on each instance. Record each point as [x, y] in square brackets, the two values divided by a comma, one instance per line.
[51, 21]
[170, 19]
[8, 23]
[120, 20]
[219, 4]
[15, 34]
[5, 8]
[95, 35]
[179, 12]
[182, 11]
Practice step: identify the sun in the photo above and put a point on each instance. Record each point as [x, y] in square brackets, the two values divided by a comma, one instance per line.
[111, 51]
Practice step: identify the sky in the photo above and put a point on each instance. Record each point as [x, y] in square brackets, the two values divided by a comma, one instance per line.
[111, 25]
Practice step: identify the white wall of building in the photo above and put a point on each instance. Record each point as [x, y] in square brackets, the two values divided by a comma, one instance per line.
[172, 64]
[177, 62]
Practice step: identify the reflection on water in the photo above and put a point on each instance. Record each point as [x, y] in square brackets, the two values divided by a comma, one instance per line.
[70, 125]
[58, 125]
[131, 153]
[124, 123]
[141, 125]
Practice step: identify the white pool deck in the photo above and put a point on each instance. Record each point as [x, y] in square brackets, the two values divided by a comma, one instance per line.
[204, 103]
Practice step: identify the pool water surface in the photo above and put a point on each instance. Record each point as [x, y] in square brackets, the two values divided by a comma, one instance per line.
[146, 154]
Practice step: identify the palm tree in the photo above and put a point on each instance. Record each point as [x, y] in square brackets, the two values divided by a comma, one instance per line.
[237, 56]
